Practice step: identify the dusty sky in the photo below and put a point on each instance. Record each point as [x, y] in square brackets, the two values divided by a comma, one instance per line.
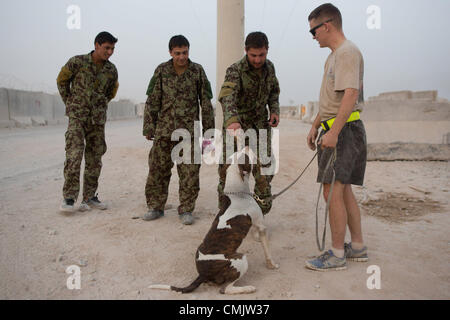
[410, 51]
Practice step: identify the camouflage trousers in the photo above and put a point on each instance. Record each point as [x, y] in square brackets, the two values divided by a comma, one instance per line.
[83, 137]
[262, 182]
[160, 171]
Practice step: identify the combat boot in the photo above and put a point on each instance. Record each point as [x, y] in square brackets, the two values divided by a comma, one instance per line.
[186, 218]
[153, 214]
[92, 203]
[67, 205]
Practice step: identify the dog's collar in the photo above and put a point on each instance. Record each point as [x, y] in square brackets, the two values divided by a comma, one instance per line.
[238, 193]
[254, 196]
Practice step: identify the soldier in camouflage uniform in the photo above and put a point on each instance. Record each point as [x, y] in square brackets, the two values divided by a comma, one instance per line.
[86, 84]
[175, 91]
[250, 86]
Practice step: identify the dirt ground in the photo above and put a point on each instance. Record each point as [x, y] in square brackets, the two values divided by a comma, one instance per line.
[405, 217]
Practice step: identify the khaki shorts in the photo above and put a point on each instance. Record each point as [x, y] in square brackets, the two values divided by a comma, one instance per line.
[351, 156]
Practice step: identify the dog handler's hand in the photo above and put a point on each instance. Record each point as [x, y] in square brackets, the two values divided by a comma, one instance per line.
[329, 140]
[234, 126]
[311, 139]
[206, 143]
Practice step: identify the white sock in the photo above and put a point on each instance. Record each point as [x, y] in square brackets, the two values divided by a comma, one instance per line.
[357, 245]
[338, 252]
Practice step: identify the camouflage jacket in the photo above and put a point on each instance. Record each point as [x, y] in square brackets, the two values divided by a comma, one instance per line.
[86, 88]
[173, 100]
[245, 93]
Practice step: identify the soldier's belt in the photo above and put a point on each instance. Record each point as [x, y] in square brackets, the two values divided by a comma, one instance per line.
[327, 124]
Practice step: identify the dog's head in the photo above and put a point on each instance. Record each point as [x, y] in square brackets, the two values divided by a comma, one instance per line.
[244, 164]
[241, 166]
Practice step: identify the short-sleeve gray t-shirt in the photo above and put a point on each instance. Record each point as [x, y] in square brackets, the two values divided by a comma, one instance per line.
[344, 69]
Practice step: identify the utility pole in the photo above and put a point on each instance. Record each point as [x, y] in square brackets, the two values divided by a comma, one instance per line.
[230, 43]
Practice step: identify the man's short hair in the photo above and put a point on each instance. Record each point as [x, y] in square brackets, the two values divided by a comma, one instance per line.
[256, 40]
[103, 37]
[325, 12]
[178, 41]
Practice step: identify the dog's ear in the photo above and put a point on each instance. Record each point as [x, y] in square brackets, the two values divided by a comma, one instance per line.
[251, 155]
[235, 141]
[244, 165]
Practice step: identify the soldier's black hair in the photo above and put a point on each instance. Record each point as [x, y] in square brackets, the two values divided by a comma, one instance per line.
[103, 37]
[178, 41]
[256, 40]
[327, 11]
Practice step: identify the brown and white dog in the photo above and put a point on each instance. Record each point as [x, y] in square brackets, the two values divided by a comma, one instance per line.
[217, 259]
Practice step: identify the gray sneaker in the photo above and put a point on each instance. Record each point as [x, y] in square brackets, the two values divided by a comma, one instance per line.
[67, 205]
[95, 203]
[152, 215]
[327, 261]
[355, 255]
[187, 218]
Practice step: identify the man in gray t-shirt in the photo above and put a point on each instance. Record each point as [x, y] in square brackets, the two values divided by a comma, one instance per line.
[343, 136]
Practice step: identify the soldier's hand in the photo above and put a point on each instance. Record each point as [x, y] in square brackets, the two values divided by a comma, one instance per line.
[207, 146]
[234, 126]
[274, 120]
[311, 139]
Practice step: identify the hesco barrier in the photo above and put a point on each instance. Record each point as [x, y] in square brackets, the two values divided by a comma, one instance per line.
[403, 116]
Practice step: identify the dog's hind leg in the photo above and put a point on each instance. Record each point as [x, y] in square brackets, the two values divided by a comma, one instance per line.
[231, 289]
[239, 263]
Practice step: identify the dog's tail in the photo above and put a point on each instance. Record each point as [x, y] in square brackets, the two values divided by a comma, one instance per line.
[194, 285]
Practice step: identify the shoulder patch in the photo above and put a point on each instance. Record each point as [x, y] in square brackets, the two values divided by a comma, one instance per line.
[227, 89]
[64, 75]
[229, 84]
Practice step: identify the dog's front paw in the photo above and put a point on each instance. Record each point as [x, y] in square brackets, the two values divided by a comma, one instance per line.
[272, 265]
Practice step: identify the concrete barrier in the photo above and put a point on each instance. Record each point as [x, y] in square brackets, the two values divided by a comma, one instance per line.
[408, 110]
[403, 125]
[140, 110]
[402, 116]
[122, 109]
[431, 95]
[291, 112]
[310, 111]
[408, 151]
[395, 95]
[28, 108]
[433, 132]
[426, 95]
[5, 120]
[407, 121]
[59, 111]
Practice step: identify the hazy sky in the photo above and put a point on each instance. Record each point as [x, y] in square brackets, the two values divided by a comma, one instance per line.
[410, 51]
